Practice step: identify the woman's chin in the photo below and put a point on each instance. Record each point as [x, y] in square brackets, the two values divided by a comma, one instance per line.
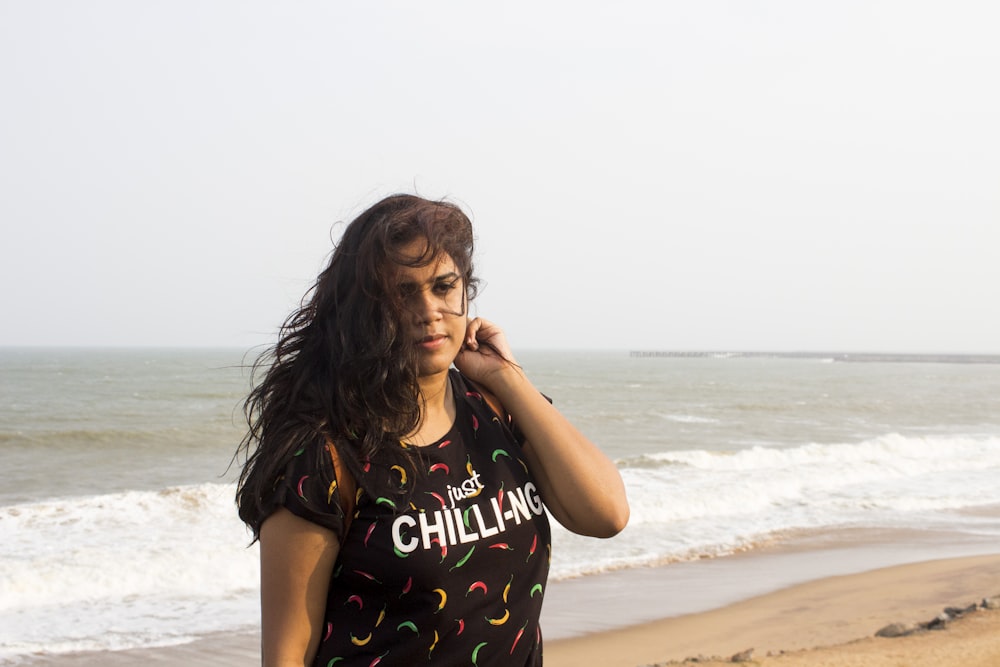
[431, 365]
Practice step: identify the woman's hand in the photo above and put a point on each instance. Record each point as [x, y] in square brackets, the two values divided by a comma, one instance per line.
[484, 353]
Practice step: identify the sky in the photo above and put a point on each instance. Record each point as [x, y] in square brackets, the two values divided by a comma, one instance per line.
[714, 175]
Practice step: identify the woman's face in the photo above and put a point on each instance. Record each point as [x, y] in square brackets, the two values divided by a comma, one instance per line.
[434, 309]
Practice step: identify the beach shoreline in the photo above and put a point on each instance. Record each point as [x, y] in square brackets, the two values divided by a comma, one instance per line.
[825, 616]
[632, 596]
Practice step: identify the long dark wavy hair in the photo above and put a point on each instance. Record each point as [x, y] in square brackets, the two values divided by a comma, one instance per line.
[343, 369]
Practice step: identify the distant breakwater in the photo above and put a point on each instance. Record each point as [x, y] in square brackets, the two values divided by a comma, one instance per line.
[833, 356]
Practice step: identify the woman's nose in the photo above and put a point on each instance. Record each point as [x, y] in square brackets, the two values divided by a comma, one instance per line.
[426, 306]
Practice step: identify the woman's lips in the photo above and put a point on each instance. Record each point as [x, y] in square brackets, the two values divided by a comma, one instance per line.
[433, 341]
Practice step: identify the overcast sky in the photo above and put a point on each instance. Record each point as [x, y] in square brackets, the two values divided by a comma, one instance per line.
[775, 175]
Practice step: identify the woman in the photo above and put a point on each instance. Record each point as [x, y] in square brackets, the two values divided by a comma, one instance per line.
[398, 502]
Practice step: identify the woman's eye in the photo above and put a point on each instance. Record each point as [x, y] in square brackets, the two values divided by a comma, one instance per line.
[444, 288]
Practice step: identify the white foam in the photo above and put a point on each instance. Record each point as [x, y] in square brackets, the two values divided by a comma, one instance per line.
[690, 419]
[121, 570]
[698, 503]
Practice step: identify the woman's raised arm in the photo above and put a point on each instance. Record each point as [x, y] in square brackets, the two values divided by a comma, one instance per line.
[581, 487]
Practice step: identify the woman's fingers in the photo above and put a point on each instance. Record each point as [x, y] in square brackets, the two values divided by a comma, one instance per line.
[482, 333]
[471, 333]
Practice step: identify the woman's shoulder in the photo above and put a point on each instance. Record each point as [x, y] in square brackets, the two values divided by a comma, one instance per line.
[488, 405]
[308, 486]
[481, 398]
[476, 395]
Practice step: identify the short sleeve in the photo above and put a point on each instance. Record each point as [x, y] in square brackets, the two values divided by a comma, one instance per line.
[309, 489]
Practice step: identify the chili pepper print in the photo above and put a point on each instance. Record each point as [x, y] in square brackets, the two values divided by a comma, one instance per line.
[302, 481]
[531, 551]
[444, 444]
[477, 585]
[440, 466]
[444, 598]
[499, 452]
[371, 529]
[444, 547]
[433, 644]
[409, 625]
[444, 505]
[499, 621]
[464, 560]
[517, 637]
[369, 577]
[475, 653]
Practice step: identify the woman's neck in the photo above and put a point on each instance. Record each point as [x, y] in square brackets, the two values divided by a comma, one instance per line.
[437, 410]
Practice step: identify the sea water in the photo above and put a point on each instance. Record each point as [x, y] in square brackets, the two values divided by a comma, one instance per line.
[118, 526]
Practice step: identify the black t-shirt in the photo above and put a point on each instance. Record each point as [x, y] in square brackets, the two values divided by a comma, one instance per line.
[445, 565]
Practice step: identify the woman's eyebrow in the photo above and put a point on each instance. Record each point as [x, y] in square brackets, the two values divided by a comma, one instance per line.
[444, 277]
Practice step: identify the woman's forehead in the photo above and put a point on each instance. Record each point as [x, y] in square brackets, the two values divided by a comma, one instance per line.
[416, 269]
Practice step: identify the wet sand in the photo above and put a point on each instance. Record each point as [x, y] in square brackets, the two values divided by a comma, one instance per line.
[831, 621]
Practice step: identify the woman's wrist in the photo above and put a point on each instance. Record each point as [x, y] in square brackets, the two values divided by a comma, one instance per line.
[511, 385]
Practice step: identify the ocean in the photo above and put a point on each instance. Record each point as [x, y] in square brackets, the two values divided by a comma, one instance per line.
[118, 527]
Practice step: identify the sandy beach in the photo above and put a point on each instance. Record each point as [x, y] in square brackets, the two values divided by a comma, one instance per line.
[828, 622]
